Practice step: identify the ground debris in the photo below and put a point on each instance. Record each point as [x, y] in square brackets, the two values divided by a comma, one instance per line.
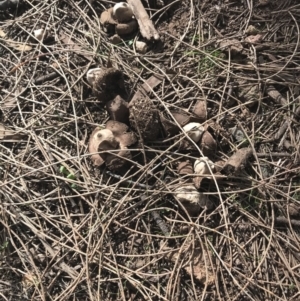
[237, 161]
[194, 263]
[231, 45]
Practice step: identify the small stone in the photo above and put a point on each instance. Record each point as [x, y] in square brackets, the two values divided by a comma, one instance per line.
[141, 47]
[200, 110]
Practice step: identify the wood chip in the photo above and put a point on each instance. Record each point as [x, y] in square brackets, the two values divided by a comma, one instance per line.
[147, 86]
[237, 161]
[107, 17]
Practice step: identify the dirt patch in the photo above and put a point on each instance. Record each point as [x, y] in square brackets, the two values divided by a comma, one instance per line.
[72, 230]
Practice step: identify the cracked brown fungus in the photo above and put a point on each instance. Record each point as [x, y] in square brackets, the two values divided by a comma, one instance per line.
[118, 109]
[195, 131]
[202, 168]
[101, 139]
[144, 118]
[122, 12]
[107, 83]
[113, 141]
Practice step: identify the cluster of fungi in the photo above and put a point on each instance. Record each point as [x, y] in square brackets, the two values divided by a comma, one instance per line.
[140, 121]
[137, 122]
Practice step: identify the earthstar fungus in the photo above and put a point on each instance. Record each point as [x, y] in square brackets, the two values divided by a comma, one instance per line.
[192, 199]
[119, 20]
[112, 143]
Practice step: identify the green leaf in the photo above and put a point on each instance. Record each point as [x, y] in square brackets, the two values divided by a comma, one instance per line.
[71, 176]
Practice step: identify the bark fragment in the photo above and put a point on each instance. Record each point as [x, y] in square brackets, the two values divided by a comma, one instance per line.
[237, 161]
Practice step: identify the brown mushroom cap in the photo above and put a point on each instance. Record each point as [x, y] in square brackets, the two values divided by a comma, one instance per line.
[118, 109]
[127, 139]
[120, 131]
[116, 160]
[107, 21]
[106, 17]
[108, 84]
[122, 12]
[118, 128]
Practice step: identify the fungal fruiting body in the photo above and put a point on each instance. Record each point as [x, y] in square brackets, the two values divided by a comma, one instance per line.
[122, 12]
[194, 130]
[40, 34]
[92, 74]
[110, 145]
[192, 199]
[119, 20]
[203, 166]
[144, 118]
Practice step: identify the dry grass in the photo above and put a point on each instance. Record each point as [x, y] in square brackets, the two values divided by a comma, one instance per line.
[100, 237]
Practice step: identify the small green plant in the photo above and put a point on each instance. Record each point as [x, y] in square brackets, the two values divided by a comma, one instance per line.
[292, 287]
[207, 60]
[3, 246]
[68, 175]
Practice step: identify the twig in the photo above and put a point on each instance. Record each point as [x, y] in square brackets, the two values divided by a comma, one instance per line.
[284, 220]
[147, 28]
[46, 77]
[276, 96]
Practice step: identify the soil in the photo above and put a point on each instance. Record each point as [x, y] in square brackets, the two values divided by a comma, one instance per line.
[70, 230]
